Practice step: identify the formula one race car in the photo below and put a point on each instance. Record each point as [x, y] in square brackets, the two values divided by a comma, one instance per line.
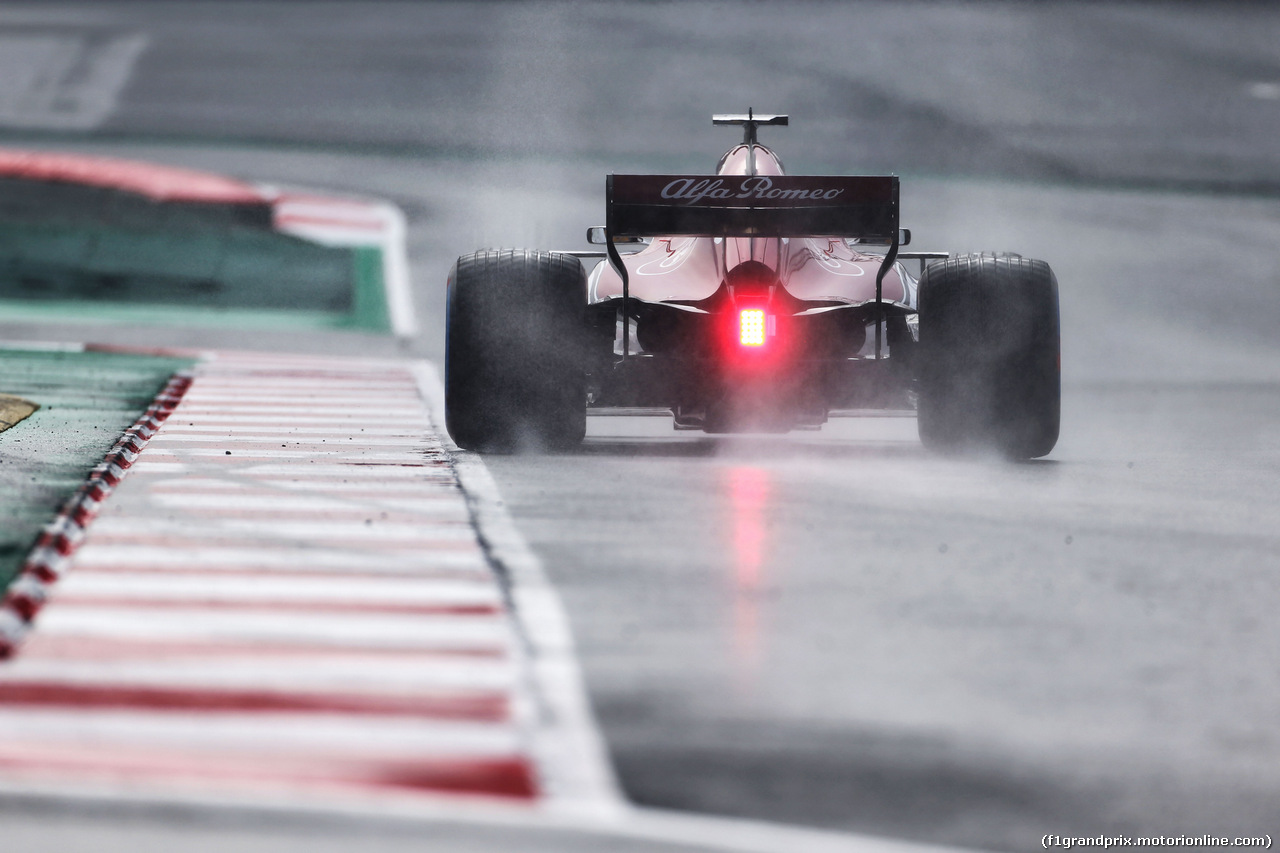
[754, 303]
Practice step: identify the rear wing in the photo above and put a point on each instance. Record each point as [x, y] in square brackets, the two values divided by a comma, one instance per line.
[752, 206]
[864, 207]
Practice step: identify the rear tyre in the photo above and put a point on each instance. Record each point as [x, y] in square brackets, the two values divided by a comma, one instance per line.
[988, 362]
[514, 377]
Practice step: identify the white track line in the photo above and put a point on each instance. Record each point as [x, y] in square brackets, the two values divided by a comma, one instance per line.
[571, 749]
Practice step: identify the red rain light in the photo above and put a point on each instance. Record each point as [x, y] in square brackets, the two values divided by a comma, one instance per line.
[751, 327]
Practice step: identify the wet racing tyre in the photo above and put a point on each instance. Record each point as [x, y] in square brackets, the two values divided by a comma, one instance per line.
[988, 366]
[514, 377]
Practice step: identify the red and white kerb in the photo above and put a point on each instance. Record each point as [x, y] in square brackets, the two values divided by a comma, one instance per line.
[285, 596]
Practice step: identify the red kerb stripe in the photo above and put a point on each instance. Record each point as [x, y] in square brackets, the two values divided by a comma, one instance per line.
[483, 707]
[507, 777]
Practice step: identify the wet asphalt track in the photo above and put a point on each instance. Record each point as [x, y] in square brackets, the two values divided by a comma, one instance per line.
[836, 628]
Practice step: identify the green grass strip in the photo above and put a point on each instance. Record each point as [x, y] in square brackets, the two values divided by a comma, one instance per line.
[87, 400]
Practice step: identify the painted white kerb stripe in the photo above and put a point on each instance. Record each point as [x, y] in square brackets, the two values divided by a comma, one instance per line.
[393, 590]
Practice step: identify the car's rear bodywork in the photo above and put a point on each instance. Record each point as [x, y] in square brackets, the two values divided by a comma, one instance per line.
[836, 319]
